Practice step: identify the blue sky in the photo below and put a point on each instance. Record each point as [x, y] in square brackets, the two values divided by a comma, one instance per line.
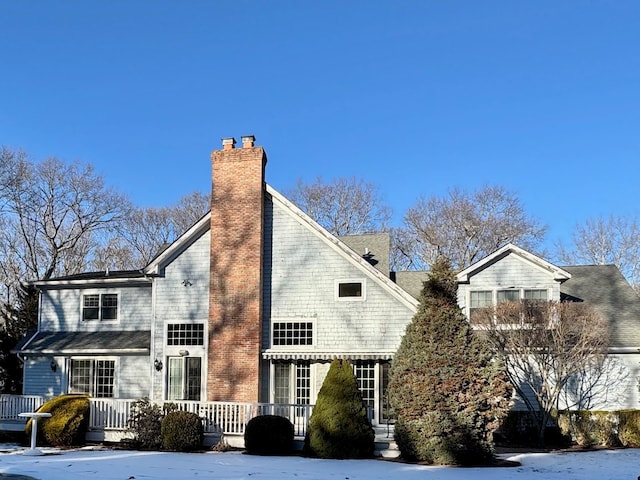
[541, 97]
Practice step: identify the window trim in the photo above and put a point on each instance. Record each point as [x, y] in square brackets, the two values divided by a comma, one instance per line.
[93, 386]
[100, 294]
[274, 321]
[340, 281]
[494, 301]
[179, 324]
[185, 376]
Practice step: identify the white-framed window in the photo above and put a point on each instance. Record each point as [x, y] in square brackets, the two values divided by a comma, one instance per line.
[291, 382]
[365, 372]
[100, 306]
[185, 334]
[93, 376]
[350, 289]
[184, 378]
[479, 299]
[292, 333]
[487, 298]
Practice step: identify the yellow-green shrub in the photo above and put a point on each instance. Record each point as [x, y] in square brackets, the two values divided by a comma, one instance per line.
[68, 423]
[588, 428]
[181, 431]
[629, 428]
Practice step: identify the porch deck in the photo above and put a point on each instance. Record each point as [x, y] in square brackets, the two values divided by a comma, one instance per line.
[108, 418]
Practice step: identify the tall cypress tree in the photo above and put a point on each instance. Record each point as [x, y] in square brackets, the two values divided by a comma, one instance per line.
[17, 321]
[448, 392]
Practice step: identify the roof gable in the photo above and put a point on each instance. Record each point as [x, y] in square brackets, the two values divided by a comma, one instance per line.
[558, 273]
[203, 225]
[179, 245]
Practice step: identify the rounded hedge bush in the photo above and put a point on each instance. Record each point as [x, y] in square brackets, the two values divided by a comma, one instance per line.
[269, 435]
[68, 423]
[181, 431]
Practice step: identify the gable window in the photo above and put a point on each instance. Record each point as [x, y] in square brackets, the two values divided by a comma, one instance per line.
[287, 334]
[533, 297]
[93, 377]
[100, 306]
[350, 289]
[185, 334]
[184, 380]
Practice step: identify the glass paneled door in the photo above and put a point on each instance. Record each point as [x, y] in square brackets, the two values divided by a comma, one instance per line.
[184, 378]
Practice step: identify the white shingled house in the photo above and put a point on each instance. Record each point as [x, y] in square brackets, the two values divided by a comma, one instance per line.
[244, 312]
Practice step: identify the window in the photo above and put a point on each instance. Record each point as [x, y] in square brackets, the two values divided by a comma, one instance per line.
[480, 299]
[185, 334]
[508, 295]
[184, 380]
[93, 377]
[100, 306]
[292, 383]
[350, 289]
[534, 299]
[537, 294]
[292, 333]
[365, 373]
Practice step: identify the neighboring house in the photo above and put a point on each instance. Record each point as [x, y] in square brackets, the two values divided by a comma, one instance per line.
[254, 300]
[512, 273]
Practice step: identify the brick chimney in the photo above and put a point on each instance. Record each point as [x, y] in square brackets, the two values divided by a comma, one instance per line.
[235, 299]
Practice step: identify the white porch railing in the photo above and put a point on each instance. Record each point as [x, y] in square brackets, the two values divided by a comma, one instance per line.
[228, 418]
[12, 405]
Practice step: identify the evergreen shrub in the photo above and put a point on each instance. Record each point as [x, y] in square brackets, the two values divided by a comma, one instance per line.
[269, 435]
[446, 388]
[68, 423]
[145, 424]
[339, 426]
[182, 431]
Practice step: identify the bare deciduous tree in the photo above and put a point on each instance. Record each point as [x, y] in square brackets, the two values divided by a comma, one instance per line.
[51, 210]
[345, 206]
[549, 349]
[466, 226]
[144, 232]
[189, 209]
[601, 241]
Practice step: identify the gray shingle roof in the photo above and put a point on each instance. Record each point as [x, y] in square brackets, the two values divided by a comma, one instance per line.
[377, 244]
[605, 287]
[411, 281]
[108, 342]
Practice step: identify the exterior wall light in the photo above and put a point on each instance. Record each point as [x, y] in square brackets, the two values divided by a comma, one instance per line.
[53, 365]
[157, 364]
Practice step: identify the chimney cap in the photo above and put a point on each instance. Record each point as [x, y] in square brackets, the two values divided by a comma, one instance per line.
[228, 142]
[247, 140]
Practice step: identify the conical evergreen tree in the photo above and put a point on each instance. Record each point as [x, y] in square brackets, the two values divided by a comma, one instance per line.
[17, 320]
[447, 391]
[339, 426]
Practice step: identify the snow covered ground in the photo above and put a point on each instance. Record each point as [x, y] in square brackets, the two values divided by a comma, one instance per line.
[132, 465]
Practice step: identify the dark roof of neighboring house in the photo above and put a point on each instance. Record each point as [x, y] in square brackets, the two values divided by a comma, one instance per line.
[99, 275]
[106, 342]
[605, 287]
[372, 247]
[412, 281]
